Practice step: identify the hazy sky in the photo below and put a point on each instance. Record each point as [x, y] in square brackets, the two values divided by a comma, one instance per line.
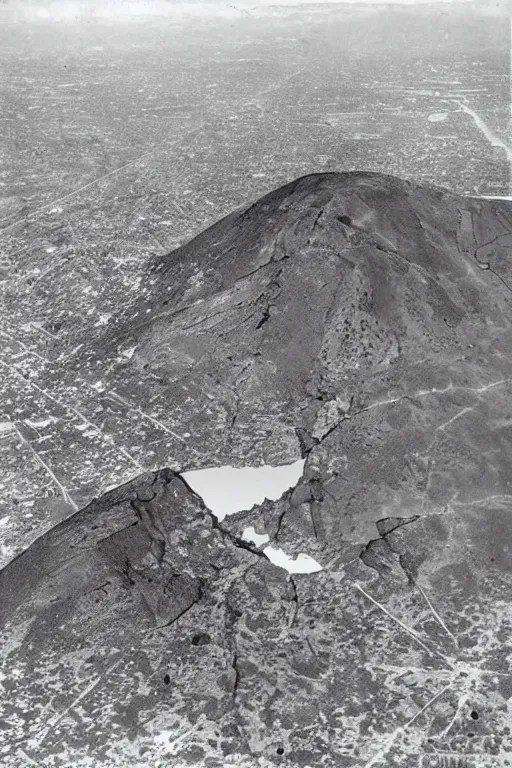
[55, 10]
[194, 6]
[256, 3]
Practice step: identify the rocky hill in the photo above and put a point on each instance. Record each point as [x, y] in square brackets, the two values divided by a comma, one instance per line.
[358, 321]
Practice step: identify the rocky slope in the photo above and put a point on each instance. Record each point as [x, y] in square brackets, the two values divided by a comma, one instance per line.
[354, 319]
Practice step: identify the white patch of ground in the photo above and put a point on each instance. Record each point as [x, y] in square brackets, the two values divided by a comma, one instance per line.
[437, 117]
[226, 490]
[301, 564]
[250, 535]
[164, 738]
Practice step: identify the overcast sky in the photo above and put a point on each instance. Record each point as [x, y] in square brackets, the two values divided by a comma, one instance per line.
[224, 5]
[256, 3]
[77, 9]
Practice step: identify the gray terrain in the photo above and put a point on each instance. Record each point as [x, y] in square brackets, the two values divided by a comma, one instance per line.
[124, 137]
[357, 318]
[362, 322]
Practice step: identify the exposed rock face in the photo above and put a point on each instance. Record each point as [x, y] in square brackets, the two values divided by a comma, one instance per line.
[363, 322]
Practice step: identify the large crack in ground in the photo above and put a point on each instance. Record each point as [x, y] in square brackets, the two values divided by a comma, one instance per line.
[379, 553]
[465, 228]
[237, 541]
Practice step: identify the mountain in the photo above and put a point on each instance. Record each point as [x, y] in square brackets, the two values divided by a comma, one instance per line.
[363, 323]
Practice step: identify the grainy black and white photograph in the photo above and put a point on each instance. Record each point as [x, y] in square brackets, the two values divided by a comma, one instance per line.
[255, 384]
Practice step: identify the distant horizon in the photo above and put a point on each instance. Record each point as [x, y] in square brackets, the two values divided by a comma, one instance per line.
[246, 5]
[181, 10]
